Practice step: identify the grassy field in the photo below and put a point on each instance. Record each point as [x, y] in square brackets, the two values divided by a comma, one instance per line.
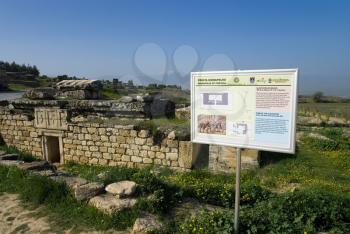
[328, 109]
[109, 93]
[308, 192]
[18, 84]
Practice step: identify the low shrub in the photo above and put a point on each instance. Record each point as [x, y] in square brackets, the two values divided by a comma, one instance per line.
[321, 144]
[337, 140]
[298, 212]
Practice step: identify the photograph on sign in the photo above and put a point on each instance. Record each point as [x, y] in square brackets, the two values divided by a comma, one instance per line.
[249, 109]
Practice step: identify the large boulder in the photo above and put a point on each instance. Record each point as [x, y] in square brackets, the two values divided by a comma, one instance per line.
[146, 223]
[122, 188]
[109, 204]
[40, 93]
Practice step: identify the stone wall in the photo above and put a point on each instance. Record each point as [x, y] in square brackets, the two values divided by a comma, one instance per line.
[223, 158]
[94, 143]
[120, 145]
[19, 131]
[116, 145]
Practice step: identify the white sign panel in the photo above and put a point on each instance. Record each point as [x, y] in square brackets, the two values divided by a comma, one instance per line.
[249, 109]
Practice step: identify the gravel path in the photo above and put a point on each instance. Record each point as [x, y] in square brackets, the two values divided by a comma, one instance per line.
[14, 218]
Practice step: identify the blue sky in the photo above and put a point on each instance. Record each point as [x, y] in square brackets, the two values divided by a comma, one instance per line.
[131, 39]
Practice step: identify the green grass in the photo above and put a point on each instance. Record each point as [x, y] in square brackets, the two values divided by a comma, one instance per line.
[18, 87]
[109, 93]
[60, 207]
[328, 109]
[22, 155]
[306, 192]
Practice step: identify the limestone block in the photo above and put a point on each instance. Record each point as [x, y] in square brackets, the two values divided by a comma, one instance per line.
[91, 130]
[140, 141]
[96, 155]
[71, 181]
[104, 138]
[93, 148]
[36, 165]
[147, 160]
[88, 137]
[136, 159]
[106, 156]
[33, 134]
[151, 154]
[109, 204]
[146, 223]
[172, 156]
[158, 161]
[121, 139]
[185, 154]
[143, 133]
[143, 153]
[87, 191]
[122, 188]
[111, 150]
[155, 148]
[102, 131]
[103, 149]
[150, 141]
[133, 133]
[93, 161]
[130, 140]
[112, 138]
[160, 155]
[126, 158]
[102, 161]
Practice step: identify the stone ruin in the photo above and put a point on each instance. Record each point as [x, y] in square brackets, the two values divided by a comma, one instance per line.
[79, 89]
[68, 89]
[60, 129]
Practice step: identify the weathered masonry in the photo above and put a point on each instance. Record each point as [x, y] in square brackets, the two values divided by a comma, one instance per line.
[59, 131]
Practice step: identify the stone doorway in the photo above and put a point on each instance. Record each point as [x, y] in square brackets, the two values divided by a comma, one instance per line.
[53, 149]
[52, 146]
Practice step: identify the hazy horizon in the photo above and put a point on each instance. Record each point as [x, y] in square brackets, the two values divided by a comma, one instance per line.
[157, 41]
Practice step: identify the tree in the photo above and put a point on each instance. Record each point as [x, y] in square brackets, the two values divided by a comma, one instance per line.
[35, 71]
[317, 97]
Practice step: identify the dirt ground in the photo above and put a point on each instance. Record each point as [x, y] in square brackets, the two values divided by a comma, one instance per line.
[14, 218]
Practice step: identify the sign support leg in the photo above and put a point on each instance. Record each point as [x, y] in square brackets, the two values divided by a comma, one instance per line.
[238, 191]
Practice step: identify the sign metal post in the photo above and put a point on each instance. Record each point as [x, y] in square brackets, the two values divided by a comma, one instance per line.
[238, 191]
